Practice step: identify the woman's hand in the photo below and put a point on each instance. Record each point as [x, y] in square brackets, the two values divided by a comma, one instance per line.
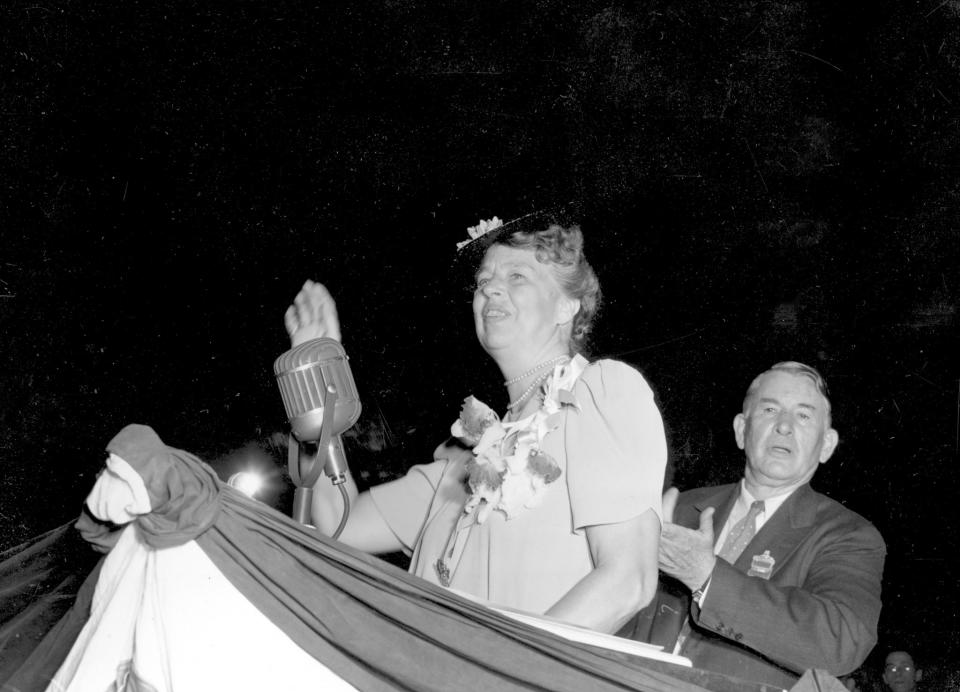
[312, 315]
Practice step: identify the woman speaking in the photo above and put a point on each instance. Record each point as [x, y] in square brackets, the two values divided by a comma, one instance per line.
[554, 507]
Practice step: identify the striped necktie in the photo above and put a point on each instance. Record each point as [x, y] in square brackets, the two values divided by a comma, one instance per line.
[741, 534]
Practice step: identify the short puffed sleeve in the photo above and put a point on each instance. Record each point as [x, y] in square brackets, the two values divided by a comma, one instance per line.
[615, 446]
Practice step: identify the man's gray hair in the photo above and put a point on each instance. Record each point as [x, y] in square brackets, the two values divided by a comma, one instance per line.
[794, 368]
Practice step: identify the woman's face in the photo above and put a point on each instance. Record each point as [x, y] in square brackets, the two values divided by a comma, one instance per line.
[518, 303]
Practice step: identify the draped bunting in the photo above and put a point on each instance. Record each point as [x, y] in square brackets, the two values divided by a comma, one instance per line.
[39, 581]
[363, 622]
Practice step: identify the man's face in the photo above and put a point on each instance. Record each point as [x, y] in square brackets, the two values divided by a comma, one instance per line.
[784, 432]
[899, 673]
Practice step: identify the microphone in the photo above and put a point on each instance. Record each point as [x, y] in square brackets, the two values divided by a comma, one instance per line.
[321, 402]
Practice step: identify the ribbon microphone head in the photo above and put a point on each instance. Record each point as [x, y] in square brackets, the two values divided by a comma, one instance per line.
[306, 375]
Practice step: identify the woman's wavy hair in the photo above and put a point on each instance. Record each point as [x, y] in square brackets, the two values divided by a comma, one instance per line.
[561, 247]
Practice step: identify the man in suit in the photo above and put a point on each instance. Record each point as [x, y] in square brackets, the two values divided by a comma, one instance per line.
[767, 578]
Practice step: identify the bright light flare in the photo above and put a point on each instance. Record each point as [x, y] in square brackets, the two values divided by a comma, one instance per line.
[247, 482]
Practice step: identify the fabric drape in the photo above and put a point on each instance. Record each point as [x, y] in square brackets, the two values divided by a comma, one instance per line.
[372, 624]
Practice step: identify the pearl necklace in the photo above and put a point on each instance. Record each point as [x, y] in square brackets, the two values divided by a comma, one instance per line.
[535, 369]
[536, 383]
[528, 392]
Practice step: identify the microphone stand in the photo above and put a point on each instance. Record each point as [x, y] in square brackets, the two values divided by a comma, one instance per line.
[303, 458]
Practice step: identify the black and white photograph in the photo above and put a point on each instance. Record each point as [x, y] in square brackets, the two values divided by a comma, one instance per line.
[550, 346]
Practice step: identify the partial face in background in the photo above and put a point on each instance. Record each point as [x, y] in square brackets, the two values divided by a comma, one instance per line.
[899, 672]
[785, 431]
[518, 302]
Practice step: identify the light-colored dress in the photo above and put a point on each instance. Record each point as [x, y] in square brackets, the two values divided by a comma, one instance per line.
[611, 450]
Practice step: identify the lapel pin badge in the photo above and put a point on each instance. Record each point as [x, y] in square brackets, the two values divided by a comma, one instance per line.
[762, 565]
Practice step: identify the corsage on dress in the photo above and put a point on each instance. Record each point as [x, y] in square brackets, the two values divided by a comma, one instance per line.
[509, 471]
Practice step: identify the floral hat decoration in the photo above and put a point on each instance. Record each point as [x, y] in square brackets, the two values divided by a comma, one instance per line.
[488, 231]
[480, 230]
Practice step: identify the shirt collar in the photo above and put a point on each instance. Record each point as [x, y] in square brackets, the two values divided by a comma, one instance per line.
[770, 505]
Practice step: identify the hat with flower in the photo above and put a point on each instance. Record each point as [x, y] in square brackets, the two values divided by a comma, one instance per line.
[489, 231]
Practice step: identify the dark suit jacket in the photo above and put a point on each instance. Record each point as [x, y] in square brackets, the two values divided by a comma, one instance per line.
[818, 608]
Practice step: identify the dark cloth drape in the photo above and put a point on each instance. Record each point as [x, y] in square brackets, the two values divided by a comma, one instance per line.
[39, 585]
[372, 624]
[383, 629]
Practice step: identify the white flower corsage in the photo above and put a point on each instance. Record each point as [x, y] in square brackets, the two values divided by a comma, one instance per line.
[480, 230]
[509, 470]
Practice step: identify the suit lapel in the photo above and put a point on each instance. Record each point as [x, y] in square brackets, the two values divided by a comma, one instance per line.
[722, 501]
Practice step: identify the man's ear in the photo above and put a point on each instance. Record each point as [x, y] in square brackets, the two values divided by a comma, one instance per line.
[830, 441]
[739, 425]
[919, 675]
[569, 307]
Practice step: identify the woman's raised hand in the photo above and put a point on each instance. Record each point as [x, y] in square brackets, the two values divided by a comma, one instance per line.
[312, 315]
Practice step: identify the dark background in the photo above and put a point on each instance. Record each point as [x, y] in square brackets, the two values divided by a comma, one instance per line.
[757, 181]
